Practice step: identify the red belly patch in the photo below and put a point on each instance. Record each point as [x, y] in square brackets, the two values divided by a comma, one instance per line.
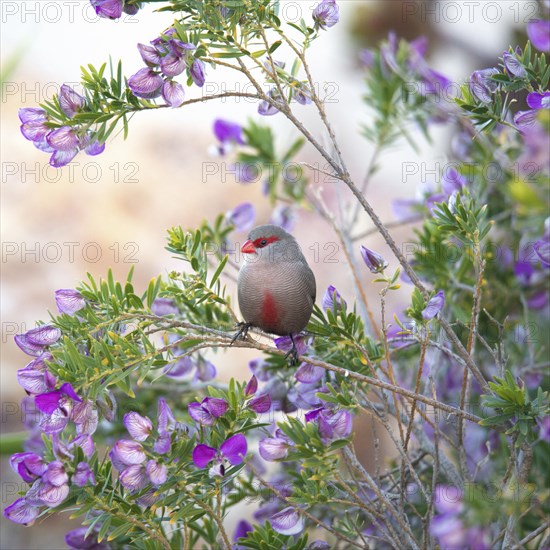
[269, 311]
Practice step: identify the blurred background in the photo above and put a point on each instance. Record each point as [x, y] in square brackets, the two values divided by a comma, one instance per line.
[113, 210]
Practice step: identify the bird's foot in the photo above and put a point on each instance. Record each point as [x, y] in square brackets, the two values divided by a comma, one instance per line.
[292, 354]
[242, 332]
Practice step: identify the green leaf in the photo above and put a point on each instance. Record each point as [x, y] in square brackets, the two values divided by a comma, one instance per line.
[218, 272]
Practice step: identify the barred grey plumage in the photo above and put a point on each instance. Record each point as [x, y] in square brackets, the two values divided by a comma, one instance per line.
[276, 287]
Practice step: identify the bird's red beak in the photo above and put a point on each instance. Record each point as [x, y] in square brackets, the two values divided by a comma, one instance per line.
[248, 247]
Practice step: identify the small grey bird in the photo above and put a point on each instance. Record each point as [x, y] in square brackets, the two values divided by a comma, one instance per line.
[276, 287]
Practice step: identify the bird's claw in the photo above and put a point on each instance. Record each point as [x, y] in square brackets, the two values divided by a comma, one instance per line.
[293, 354]
[241, 333]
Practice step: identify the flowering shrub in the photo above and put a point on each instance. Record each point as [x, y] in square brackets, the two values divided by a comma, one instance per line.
[457, 381]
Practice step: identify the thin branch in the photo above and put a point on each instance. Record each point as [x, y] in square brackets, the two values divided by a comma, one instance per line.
[538, 531]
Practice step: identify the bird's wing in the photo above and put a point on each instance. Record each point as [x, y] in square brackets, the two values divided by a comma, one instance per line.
[310, 282]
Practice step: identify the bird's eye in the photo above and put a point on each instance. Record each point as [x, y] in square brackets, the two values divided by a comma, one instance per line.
[263, 242]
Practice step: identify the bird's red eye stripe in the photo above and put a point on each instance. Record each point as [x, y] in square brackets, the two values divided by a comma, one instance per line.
[263, 241]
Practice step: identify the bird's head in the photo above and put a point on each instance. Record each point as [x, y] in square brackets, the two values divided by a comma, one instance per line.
[271, 242]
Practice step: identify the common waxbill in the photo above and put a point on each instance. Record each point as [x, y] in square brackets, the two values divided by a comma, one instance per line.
[276, 287]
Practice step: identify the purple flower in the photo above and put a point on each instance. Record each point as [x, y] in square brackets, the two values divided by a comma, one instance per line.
[50, 401]
[163, 444]
[206, 371]
[233, 450]
[538, 32]
[55, 474]
[70, 101]
[245, 172]
[35, 378]
[34, 127]
[85, 417]
[447, 525]
[275, 448]
[207, 410]
[173, 93]
[538, 101]
[452, 181]
[228, 132]
[36, 130]
[404, 209]
[481, 84]
[542, 250]
[134, 477]
[165, 417]
[35, 340]
[366, 57]
[126, 453]
[197, 72]
[241, 531]
[513, 65]
[523, 272]
[62, 158]
[544, 425]
[242, 216]
[326, 14]
[56, 406]
[83, 475]
[149, 498]
[156, 472]
[266, 108]
[76, 540]
[53, 488]
[139, 427]
[373, 260]
[332, 299]
[150, 55]
[252, 386]
[164, 306]
[332, 424]
[110, 9]
[284, 343]
[304, 395]
[539, 300]
[525, 119]
[287, 522]
[283, 216]
[309, 374]
[86, 443]
[29, 466]
[173, 64]
[301, 93]
[94, 147]
[279, 393]
[260, 404]
[259, 369]
[64, 139]
[21, 511]
[180, 369]
[69, 301]
[146, 83]
[434, 306]
[32, 114]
